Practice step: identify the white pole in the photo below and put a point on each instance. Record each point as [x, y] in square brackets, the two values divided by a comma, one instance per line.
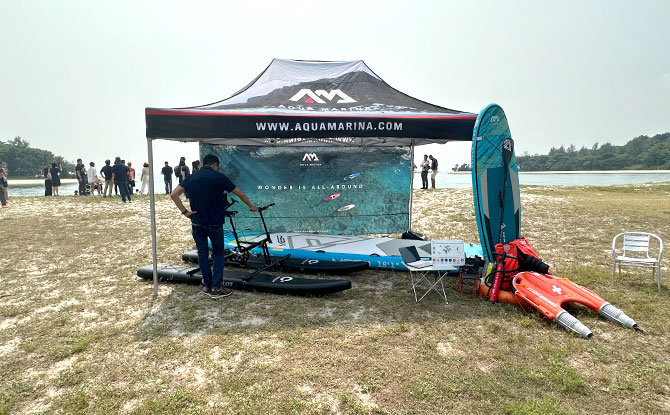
[152, 204]
[411, 183]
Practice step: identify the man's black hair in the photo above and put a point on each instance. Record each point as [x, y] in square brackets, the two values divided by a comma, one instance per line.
[107, 162]
[209, 160]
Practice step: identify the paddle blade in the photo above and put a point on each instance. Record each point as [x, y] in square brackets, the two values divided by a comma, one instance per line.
[508, 150]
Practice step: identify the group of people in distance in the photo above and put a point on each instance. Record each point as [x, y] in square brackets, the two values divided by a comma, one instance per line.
[119, 177]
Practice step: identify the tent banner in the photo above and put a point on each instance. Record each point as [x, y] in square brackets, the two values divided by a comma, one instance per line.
[331, 190]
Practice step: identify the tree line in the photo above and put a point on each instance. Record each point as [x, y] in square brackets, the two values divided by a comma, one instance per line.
[640, 153]
[24, 161]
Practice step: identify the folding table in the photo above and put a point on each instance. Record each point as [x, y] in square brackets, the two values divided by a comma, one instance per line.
[419, 276]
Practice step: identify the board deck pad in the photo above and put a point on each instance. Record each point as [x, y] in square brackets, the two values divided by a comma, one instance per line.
[379, 252]
[259, 282]
[291, 264]
[498, 220]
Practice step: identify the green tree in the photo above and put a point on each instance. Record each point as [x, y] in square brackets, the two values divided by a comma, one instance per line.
[641, 152]
[23, 161]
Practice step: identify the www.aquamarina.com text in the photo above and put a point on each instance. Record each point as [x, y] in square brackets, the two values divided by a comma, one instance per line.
[329, 126]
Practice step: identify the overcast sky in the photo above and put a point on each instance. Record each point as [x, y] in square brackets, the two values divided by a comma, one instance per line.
[77, 75]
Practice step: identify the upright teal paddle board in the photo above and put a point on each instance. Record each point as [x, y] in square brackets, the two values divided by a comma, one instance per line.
[495, 180]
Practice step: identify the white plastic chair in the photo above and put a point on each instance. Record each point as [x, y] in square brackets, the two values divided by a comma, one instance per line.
[635, 252]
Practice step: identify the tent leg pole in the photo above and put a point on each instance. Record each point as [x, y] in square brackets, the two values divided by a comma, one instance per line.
[152, 204]
[411, 182]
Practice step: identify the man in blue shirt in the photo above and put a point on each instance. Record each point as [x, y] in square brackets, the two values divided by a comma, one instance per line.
[167, 178]
[106, 171]
[120, 178]
[208, 202]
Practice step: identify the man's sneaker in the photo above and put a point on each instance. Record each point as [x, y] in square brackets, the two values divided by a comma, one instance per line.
[207, 291]
[223, 292]
[4, 206]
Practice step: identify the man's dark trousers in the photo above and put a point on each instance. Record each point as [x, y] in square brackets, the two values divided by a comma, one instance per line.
[168, 185]
[215, 234]
[124, 189]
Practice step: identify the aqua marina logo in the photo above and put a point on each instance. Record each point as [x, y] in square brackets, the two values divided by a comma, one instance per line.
[310, 159]
[316, 96]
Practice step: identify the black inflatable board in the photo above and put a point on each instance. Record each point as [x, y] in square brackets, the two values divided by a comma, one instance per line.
[314, 266]
[259, 282]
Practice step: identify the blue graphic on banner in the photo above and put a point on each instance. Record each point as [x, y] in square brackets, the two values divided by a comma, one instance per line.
[336, 190]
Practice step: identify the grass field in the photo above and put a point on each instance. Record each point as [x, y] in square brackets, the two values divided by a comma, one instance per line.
[79, 332]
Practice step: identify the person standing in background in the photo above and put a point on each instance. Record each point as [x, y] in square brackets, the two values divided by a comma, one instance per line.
[120, 175]
[106, 172]
[48, 191]
[80, 171]
[177, 169]
[195, 164]
[4, 186]
[185, 173]
[145, 176]
[93, 181]
[167, 177]
[425, 165]
[433, 167]
[55, 171]
[131, 177]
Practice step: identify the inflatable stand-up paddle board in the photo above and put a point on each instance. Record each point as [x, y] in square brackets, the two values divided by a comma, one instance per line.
[291, 264]
[242, 280]
[495, 181]
[378, 252]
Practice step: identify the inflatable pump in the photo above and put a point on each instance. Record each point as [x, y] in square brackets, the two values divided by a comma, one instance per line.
[548, 294]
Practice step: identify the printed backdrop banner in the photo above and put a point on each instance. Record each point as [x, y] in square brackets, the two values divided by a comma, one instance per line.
[334, 190]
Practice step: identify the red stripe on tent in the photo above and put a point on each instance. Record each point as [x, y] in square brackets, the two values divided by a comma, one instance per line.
[245, 114]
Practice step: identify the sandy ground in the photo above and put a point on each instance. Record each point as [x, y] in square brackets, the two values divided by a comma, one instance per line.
[80, 333]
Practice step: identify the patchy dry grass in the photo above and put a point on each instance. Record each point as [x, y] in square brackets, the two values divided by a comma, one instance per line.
[79, 332]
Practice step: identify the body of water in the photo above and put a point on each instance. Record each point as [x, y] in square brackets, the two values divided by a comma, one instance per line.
[449, 180]
[69, 188]
[443, 180]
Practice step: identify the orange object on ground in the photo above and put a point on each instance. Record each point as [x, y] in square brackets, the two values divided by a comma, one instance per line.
[504, 296]
[547, 294]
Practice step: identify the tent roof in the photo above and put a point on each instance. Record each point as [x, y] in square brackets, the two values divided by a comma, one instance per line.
[313, 103]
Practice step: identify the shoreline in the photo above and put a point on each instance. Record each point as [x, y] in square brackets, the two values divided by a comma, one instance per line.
[583, 172]
[33, 182]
